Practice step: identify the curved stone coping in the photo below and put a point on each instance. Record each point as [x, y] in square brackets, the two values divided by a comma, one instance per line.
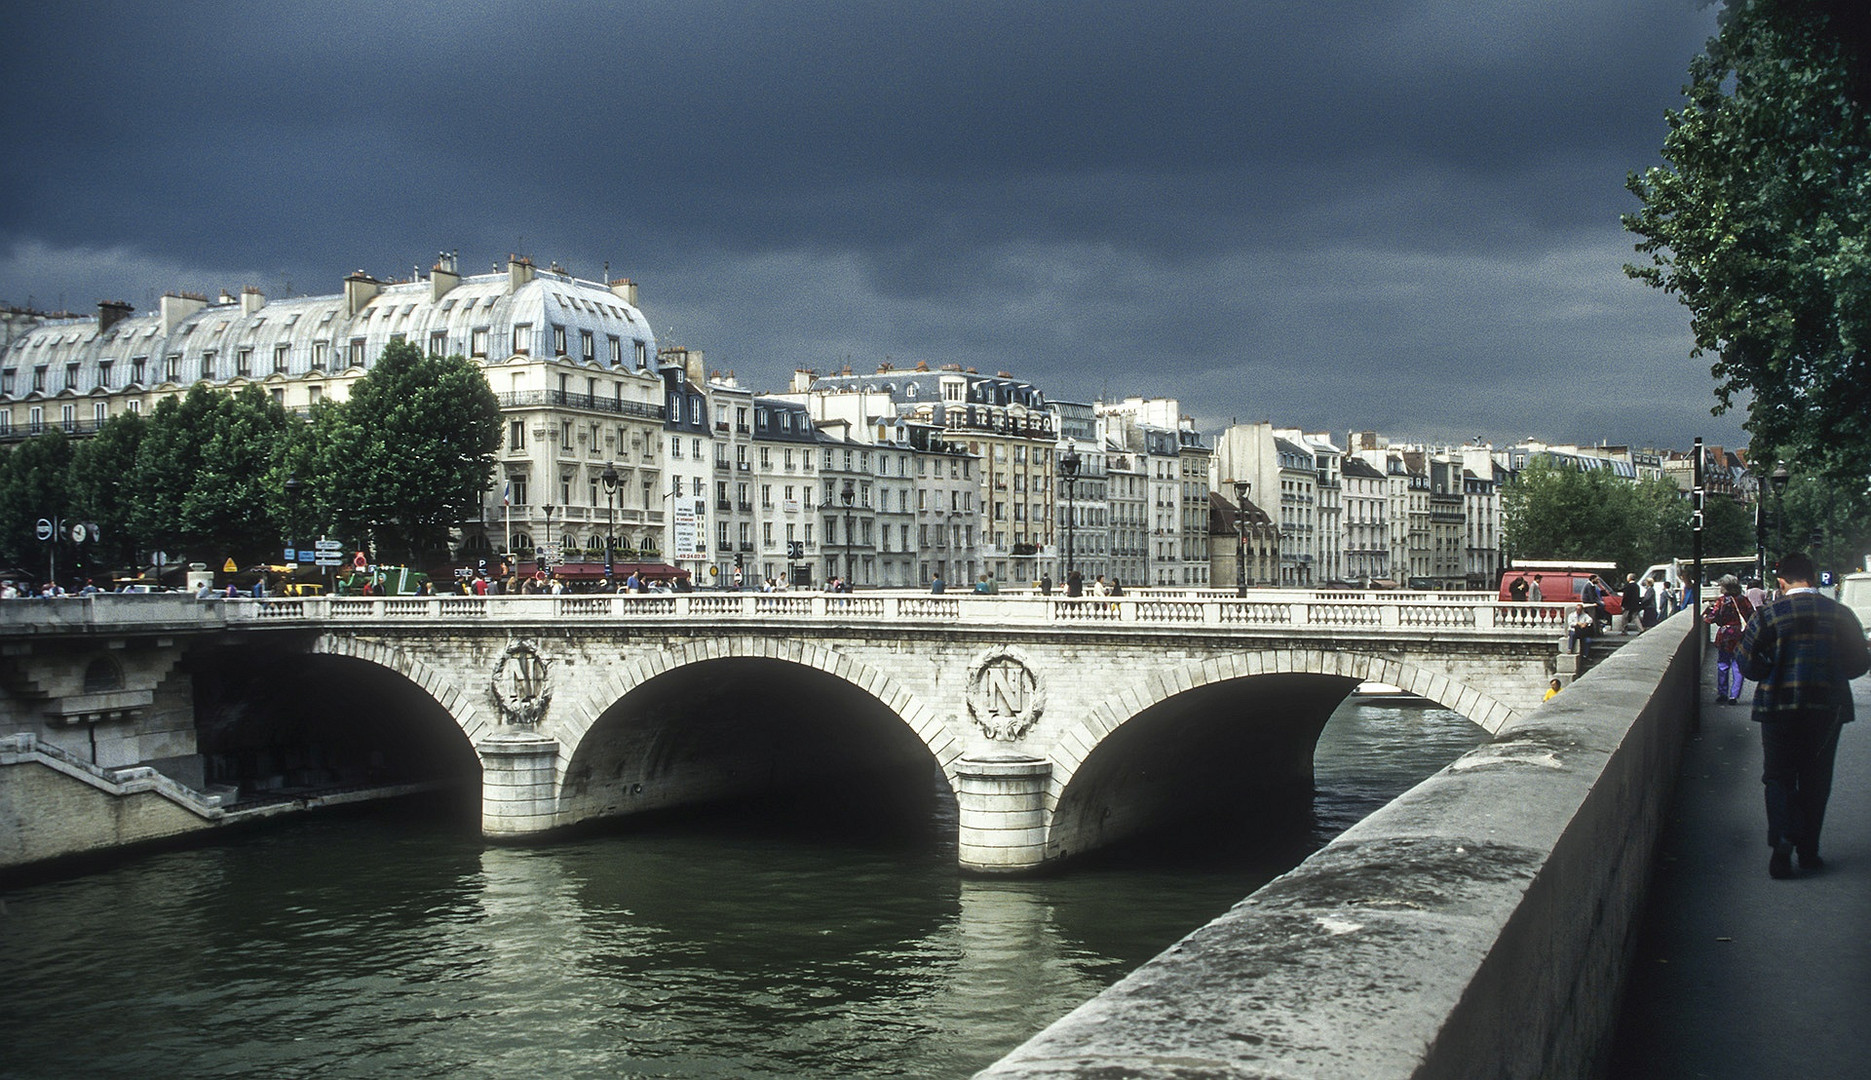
[1477, 926]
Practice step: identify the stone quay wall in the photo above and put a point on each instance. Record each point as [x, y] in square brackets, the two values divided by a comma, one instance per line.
[1480, 925]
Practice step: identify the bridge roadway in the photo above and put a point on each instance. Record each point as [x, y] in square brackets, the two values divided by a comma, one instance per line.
[1055, 725]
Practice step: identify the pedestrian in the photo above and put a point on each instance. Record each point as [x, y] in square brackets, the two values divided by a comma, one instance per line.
[1729, 615]
[1579, 631]
[1633, 601]
[935, 584]
[1117, 587]
[1517, 592]
[1802, 650]
[1075, 584]
[1552, 688]
[1533, 591]
[1099, 588]
[1045, 584]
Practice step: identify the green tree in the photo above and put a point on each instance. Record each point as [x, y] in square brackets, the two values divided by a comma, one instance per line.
[1760, 224]
[230, 503]
[420, 451]
[1557, 512]
[103, 485]
[35, 483]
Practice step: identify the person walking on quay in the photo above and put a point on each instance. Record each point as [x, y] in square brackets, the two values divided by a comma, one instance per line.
[1802, 650]
[1533, 591]
[1633, 601]
[1729, 615]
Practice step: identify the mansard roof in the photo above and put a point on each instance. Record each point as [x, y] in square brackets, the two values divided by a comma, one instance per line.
[300, 335]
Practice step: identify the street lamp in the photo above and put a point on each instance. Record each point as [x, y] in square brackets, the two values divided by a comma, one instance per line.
[294, 488]
[609, 476]
[1241, 488]
[847, 496]
[1068, 475]
[1778, 480]
[545, 550]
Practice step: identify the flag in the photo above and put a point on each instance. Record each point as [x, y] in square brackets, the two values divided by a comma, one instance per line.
[506, 494]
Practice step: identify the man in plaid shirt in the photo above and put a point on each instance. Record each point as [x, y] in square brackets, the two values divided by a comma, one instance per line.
[1803, 649]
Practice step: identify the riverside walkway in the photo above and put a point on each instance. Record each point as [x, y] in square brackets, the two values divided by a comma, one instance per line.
[1736, 974]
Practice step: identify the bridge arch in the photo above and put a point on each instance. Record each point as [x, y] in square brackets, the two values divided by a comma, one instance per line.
[1078, 742]
[585, 707]
[474, 723]
[740, 717]
[1228, 736]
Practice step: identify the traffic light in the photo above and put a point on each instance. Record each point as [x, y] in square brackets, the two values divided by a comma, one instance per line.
[737, 560]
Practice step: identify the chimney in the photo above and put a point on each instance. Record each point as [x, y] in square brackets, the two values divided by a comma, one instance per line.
[802, 380]
[626, 290]
[359, 289]
[110, 313]
[519, 272]
[251, 300]
[174, 307]
[444, 276]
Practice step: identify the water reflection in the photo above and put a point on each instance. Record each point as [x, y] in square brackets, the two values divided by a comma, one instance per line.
[703, 947]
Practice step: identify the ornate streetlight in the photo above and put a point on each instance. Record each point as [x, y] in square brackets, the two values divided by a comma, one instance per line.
[847, 496]
[1241, 488]
[609, 476]
[1068, 475]
[546, 548]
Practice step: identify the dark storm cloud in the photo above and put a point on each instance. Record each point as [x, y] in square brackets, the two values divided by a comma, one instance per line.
[1259, 208]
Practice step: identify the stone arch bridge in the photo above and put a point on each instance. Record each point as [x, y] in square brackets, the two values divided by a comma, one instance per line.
[1055, 725]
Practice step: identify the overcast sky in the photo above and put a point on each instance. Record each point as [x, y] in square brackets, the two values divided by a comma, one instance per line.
[1390, 215]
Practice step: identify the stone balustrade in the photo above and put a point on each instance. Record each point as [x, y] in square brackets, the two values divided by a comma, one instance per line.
[1263, 610]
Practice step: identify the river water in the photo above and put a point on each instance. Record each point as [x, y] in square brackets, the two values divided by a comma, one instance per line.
[727, 945]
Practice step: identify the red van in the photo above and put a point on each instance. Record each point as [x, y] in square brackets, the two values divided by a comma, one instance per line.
[1563, 582]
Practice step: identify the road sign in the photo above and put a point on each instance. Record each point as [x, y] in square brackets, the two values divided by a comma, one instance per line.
[43, 529]
[327, 560]
[327, 545]
[304, 556]
[230, 568]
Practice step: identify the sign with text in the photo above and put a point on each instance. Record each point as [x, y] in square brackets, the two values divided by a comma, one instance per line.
[686, 528]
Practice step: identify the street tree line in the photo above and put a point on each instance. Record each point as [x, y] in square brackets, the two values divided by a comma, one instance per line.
[210, 475]
[1552, 511]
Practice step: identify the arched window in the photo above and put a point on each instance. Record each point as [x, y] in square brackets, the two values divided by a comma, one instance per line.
[103, 674]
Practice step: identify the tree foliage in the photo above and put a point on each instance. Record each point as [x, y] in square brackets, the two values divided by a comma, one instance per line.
[418, 409]
[103, 485]
[1557, 512]
[33, 485]
[1761, 225]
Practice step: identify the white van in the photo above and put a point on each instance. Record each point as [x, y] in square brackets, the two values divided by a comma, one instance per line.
[1855, 593]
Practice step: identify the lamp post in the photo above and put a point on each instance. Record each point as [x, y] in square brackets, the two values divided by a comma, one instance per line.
[609, 476]
[546, 549]
[1241, 488]
[1068, 475]
[1778, 481]
[848, 495]
[294, 488]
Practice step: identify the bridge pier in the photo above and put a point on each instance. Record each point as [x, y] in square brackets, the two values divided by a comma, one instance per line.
[518, 783]
[1002, 812]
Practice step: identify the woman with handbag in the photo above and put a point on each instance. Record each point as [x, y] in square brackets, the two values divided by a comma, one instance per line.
[1729, 615]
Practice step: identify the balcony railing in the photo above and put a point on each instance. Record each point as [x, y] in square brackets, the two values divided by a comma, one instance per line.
[590, 402]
